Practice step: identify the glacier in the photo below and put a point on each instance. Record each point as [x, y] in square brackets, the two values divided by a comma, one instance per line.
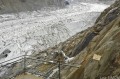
[28, 32]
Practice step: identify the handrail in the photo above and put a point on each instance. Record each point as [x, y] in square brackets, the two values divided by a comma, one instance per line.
[13, 58]
[10, 63]
[19, 59]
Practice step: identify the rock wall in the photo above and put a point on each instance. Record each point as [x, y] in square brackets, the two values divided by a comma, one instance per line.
[106, 45]
[9, 6]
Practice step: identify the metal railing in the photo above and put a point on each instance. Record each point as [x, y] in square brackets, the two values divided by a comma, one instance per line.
[25, 58]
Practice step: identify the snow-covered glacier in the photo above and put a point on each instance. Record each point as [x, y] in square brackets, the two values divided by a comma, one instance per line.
[26, 32]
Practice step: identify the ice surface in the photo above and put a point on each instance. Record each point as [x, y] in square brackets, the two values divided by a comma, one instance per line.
[25, 32]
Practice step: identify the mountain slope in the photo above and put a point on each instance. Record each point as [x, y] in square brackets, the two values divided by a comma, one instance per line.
[105, 44]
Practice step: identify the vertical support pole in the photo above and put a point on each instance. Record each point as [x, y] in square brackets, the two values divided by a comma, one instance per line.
[59, 68]
[24, 64]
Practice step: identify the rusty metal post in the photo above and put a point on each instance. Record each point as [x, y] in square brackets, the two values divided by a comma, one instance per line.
[59, 68]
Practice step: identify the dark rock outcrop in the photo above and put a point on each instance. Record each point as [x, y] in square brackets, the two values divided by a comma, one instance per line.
[13, 6]
[106, 44]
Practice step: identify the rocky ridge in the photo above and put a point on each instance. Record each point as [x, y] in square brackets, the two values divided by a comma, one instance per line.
[106, 44]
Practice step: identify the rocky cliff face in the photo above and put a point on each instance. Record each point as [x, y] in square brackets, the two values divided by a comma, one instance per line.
[10, 6]
[101, 56]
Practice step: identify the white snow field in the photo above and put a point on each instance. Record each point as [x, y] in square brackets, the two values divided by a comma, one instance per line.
[26, 32]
